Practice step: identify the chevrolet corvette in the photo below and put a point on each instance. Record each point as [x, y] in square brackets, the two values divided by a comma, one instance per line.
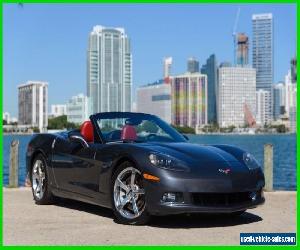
[138, 165]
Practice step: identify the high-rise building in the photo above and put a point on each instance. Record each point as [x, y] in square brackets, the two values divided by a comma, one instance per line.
[189, 100]
[211, 70]
[109, 70]
[167, 63]
[78, 109]
[58, 110]
[192, 65]
[242, 50]
[290, 93]
[235, 95]
[155, 99]
[294, 70]
[278, 100]
[262, 50]
[293, 120]
[263, 116]
[33, 104]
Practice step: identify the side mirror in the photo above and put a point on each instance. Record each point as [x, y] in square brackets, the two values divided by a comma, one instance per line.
[186, 137]
[79, 139]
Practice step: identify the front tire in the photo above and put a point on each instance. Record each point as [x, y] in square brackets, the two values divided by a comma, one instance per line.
[128, 195]
[39, 179]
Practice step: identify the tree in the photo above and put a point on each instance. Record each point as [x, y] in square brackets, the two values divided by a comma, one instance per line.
[61, 122]
[281, 129]
[184, 130]
[36, 130]
[149, 127]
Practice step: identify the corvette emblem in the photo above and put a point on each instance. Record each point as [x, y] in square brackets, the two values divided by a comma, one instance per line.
[224, 171]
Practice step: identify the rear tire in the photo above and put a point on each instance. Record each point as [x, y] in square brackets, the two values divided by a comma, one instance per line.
[128, 195]
[39, 179]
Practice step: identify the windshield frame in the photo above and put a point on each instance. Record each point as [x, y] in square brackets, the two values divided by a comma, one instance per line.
[178, 137]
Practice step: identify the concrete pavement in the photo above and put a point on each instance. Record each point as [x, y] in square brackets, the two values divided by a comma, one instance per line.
[76, 223]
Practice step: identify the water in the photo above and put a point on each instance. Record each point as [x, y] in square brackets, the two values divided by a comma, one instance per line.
[284, 153]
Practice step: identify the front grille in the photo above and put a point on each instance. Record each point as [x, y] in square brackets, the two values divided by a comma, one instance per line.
[220, 199]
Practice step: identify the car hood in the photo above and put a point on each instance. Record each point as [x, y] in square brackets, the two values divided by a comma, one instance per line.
[194, 152]
[217, 166]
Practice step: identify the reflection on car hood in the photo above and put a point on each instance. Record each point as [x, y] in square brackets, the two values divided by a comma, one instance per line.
[204, 153]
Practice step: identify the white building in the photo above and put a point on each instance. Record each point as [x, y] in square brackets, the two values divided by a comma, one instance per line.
[167, 63]
[293, 120]
[155, 99]
[78, 109]
[13, 120]
[291, 101]
[235, 95]
[189, 100]
[58, 110]
[290, 93]
[109, 70]
[33, 104]
[263, 102]
[6, 117]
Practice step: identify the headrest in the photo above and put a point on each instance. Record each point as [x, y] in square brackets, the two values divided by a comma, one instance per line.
[87, 131]
[128, 133]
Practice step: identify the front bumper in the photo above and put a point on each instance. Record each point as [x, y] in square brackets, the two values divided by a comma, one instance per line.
[224, 197]
[182, 208]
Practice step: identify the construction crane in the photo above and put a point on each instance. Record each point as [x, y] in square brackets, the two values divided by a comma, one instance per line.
[234, 34]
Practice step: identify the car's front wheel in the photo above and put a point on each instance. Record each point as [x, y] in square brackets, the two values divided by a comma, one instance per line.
[128, 195]
[39, 179]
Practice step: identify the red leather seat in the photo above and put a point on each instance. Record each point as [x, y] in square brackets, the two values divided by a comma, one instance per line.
[128, 133]
[87, 131]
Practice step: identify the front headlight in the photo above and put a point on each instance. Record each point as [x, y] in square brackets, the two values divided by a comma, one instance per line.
[167, 162]
[250, 161]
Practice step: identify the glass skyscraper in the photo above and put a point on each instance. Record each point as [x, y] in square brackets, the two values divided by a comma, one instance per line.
[210, 69]
[109, 70]
[262, 50]
[278, 100]
[294, 69]
[192, 65]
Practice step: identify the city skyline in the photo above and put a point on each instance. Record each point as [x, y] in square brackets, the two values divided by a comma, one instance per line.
[146, 66]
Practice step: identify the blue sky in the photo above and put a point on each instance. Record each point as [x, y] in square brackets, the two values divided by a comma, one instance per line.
[48, 42]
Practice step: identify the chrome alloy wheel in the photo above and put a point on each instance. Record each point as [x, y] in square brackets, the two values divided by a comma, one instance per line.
[38, 179]
[129, 194]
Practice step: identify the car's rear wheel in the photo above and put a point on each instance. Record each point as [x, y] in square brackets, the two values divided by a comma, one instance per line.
[39, 179]
[128, 195]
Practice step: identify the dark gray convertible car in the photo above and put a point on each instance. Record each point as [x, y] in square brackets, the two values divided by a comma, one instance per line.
[140, 166]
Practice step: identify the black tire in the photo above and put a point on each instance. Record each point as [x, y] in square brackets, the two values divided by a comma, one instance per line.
[144, 217]
[47, 197]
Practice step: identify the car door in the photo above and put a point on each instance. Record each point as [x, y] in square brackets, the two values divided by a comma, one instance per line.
[86, 170]
[62, 163]
[74, 167]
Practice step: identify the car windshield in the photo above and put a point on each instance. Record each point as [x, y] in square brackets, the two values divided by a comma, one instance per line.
[136, 127]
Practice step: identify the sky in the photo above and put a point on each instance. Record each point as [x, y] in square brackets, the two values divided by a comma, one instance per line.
[48, 42]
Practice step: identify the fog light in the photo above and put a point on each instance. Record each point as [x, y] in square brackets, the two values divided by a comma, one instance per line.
[172, 197]
[253, 196]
